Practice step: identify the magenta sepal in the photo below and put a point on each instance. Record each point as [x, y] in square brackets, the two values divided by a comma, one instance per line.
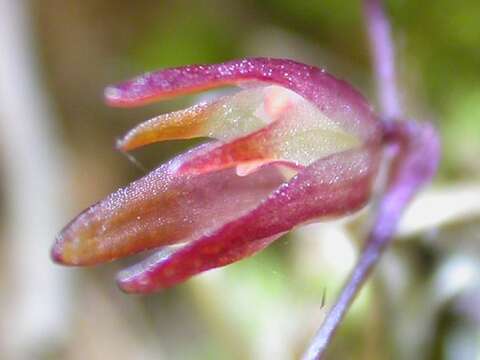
[334, 97]
[335, 186]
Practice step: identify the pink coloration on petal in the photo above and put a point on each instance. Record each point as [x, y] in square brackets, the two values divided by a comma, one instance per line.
[331, 187]
[254, 149]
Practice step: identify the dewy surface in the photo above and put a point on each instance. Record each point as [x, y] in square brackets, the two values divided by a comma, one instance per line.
[295, 145]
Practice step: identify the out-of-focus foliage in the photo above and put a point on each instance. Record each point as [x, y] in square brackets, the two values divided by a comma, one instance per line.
[423, 301]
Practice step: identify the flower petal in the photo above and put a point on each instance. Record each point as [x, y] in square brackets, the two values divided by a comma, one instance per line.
[336, 99]
[300, 136]
[182, 124]
[334, 186]
[294, 130]
[224, 118]
[160, 209]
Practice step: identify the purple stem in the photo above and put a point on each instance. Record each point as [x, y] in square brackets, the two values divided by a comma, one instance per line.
[323, 336]
[417, 149]
[388, 213]
[383, 53]
[415, 161]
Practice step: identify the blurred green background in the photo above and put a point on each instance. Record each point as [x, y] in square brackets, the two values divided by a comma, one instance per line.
[57, 157]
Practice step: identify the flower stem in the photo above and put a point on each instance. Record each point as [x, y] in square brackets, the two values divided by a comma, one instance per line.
[414, 162]
[360, 273]
[396, 195]
[383, 54]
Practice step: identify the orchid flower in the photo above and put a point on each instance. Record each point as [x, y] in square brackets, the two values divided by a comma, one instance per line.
[293, 145]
